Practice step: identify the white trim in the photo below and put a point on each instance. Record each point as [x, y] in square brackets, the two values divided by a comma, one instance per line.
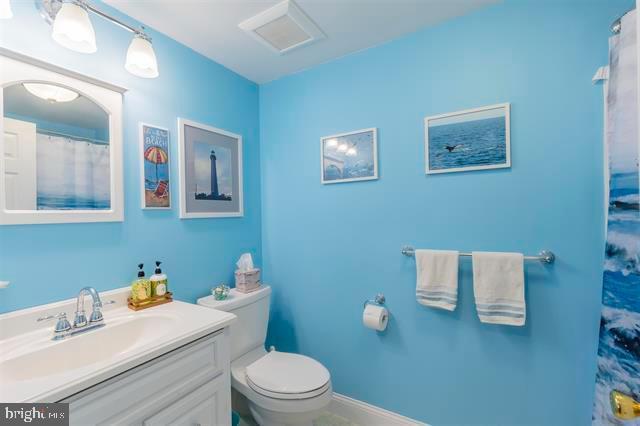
[142, 186]
[182, 177]
[339, 135]
[51, 67]
[366, 414]
[13, 71]
[507, 130]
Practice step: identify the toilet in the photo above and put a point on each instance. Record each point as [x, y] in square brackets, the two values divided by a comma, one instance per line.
[280, 388]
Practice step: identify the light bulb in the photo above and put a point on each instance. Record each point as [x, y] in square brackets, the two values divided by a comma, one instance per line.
[5, 9]
[352, 152]
[141, 59]
[332, 143]
[50, 93]
[72, 29]
[343, 147]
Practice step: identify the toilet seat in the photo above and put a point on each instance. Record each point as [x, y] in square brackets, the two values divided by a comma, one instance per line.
[283, 375]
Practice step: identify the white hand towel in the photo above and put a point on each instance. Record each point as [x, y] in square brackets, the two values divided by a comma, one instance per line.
[437, 284]
[498, 286]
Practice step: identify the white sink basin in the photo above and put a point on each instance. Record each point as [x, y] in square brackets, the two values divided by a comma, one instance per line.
[33, 367]
[46, 357]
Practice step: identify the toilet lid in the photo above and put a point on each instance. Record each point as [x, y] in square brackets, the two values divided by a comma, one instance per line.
[287, 374]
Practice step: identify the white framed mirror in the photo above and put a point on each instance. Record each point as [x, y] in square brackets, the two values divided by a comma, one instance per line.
[61, 147]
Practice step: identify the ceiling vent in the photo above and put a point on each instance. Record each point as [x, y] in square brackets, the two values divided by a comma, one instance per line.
[283, 27]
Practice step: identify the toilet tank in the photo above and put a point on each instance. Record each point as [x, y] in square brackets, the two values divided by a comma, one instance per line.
[249, 331]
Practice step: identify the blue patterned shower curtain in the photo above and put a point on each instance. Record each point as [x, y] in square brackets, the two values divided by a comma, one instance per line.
[619, 345]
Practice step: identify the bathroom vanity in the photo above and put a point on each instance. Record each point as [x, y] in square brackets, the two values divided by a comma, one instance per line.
[168, 364]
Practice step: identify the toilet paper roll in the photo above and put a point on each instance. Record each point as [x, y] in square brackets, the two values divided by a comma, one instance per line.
[375, 317]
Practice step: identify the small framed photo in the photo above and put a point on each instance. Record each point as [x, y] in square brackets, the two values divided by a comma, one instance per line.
[473, 139]
[349, 157]
[210, 167]
[154, 150]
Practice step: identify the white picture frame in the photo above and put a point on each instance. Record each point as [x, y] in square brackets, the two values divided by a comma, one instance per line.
[207, 208]
[18, 69]
[437, 157]
[331, 160]
[143, 187]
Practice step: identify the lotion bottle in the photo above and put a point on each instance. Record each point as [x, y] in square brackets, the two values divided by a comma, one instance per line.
[141, 286]
[159, 282]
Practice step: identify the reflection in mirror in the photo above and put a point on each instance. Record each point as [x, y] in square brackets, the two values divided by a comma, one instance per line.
[57, 153]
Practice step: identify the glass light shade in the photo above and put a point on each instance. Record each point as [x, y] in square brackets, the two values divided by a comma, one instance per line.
[343, 147]
[72, 29]
[141, 59]
[332, 143]
[5, 9]
[50, 92]
[351, 152]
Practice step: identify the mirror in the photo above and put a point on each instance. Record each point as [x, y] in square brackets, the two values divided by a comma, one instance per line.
[60, 145]
[56, 154]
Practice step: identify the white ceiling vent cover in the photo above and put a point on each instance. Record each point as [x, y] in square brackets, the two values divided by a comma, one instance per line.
[283, 27]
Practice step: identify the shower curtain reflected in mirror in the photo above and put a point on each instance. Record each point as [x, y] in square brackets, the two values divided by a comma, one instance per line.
[72, 174]
[618, 359]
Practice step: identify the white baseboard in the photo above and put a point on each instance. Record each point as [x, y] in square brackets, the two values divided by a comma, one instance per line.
[366, 414]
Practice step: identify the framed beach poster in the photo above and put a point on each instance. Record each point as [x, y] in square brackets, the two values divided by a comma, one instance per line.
[473, 139]
[154, 148]
[210, 171]
[349, 157]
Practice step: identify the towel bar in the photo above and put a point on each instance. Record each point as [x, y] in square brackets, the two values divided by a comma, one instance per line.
[545, 256]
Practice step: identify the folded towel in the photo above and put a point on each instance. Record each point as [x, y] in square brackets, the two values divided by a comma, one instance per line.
[498, 286]
[437, 284]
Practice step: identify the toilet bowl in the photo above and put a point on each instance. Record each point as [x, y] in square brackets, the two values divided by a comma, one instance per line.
[280, 388]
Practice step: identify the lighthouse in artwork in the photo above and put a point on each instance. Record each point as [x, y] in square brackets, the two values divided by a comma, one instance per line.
[214, 176]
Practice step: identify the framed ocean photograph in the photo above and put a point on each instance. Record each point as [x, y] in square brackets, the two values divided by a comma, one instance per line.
[349, 157]
[473, 139]
[154, 149]
[210, 171]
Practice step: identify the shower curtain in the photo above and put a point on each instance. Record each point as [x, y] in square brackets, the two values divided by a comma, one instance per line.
[72, 174]
[618, 362]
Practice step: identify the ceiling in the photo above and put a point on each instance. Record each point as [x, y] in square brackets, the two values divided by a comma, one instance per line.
[210, 27]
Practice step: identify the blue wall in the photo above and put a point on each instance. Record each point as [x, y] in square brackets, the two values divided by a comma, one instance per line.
[328, 248]
[52, 262]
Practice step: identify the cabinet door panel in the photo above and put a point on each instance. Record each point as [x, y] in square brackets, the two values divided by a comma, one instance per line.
[203, 407]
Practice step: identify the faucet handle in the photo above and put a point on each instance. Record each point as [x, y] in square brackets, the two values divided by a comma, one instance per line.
[96, 314]
[62, 324]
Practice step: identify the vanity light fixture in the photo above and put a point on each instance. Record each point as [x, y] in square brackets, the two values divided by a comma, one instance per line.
[141, 59]
[332, 143]
[50, 92]
[343, 147]
[351, 152]
[72, 29]
[5, 9]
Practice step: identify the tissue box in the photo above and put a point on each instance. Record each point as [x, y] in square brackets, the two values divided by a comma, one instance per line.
[247, 281]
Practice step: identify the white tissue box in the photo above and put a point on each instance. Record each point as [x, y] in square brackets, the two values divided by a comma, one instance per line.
[248, 281]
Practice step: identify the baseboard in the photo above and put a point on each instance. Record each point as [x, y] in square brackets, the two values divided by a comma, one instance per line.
[366, 414]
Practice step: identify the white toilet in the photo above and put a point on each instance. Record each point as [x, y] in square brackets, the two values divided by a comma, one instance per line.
[281, 388]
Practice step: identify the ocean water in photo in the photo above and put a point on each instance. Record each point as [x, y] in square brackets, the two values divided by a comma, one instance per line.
[467, 144]
[52, 202]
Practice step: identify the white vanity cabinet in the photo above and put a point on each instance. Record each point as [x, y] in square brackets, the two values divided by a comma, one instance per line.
[187, 386]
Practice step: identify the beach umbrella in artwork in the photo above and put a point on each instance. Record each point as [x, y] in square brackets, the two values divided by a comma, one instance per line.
[157, 156]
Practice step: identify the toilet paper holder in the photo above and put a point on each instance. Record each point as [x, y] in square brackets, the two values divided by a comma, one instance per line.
[378, 300]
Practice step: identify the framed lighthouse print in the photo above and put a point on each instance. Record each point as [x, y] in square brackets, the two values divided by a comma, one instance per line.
[210, 167]
[154, 148]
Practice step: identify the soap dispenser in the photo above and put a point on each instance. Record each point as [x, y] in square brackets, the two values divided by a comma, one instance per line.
[141, 286]
[159, 282]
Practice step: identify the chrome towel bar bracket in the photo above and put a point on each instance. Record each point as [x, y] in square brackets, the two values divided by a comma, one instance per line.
[545, 256]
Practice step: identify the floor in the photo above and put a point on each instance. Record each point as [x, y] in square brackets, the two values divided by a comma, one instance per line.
[326, 419]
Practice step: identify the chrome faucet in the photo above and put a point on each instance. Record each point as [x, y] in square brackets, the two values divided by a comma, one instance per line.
[64, 329]
[96, 314]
